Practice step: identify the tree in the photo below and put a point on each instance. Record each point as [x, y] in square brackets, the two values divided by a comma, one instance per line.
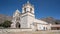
[6, 24]
[1, 24]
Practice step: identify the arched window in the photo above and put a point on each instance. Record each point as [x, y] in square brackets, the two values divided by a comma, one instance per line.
[25, 9]
[30, 9]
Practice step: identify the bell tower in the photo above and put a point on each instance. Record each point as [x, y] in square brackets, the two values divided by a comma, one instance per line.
[28, 8]
[27, 16]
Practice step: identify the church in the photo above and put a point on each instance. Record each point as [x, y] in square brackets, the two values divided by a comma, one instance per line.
[26, 19]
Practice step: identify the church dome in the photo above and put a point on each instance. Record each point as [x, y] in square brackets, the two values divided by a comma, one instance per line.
[28, 4]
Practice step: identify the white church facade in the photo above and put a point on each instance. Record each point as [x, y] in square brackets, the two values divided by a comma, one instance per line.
[27, 20]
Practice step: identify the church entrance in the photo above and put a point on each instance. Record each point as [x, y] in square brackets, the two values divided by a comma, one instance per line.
[18, 25]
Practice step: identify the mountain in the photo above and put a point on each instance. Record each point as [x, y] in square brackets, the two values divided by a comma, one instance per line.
[51, 20]
[5, 17]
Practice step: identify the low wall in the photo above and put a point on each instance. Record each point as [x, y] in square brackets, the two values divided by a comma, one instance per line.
[18, 31]
[14, 30]
[22, 30]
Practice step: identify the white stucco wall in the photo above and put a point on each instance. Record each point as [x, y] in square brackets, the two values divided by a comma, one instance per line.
[41, 27]
[24, 23]
[26, 20]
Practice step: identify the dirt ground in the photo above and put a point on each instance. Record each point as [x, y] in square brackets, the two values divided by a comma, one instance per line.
[33, 32]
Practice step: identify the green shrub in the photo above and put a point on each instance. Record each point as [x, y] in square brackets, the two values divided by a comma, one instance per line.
[6, 24]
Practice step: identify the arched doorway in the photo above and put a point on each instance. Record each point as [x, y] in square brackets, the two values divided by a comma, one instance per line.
[18, 25]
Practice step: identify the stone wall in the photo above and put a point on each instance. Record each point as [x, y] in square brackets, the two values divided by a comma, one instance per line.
[14, 30]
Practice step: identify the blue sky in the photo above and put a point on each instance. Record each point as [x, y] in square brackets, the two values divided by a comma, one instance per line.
[43, 8]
